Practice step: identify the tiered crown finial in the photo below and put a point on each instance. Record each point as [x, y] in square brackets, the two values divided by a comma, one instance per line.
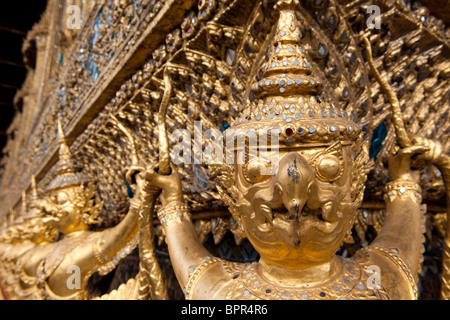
[24, 202]
[67, 172]
[289, 94]
[65, 162]
[34, 195]
[287, 59]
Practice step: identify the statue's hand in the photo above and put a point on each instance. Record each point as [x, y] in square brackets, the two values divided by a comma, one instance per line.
[169, 185]
[133, 177]
[132, 172]
[400, 160]
[430, 156]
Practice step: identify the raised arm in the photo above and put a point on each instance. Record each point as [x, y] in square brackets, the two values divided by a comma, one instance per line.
[186, 250]
[404, 224]
[122, 238]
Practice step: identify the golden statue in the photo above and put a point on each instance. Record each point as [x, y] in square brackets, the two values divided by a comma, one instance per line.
[34, 227]
[39, 269]
[298, 217]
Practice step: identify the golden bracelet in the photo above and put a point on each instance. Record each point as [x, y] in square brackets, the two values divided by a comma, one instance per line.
[135, 204]
[175, 211]
[403, 189]
[109, 263]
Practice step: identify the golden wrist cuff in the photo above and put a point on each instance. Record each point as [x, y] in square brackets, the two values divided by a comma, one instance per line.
[402, 189]
[135, 204]
[175, 211]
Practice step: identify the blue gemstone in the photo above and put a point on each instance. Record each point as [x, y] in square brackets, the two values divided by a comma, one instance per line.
[224, 126]
[379, 134]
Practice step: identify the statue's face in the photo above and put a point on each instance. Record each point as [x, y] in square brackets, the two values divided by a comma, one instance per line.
[299, 216]
[66, 211]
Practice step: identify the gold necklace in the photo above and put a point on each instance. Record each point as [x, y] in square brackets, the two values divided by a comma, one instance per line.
[348, 283]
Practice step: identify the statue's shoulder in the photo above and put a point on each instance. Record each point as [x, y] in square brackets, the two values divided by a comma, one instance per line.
[384, 268]
[213, 278]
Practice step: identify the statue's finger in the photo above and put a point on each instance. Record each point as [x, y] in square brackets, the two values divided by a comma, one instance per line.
[412, 150]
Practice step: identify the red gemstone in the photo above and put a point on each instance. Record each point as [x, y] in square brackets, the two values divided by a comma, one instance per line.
[289, 132]
[258, 27]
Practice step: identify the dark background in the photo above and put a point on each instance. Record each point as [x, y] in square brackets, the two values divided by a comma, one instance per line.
[17, 17]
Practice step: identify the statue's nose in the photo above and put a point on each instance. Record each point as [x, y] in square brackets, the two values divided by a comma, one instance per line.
[295, 178]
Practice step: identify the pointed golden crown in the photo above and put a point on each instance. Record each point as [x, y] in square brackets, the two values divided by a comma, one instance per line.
[289, 97]
[68, 173]
[34, 195]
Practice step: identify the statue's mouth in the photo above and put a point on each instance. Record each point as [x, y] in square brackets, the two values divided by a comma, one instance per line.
[296, 221]
[291, 215]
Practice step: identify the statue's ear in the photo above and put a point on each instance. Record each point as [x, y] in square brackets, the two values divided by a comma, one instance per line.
[236, 229]
[90, 216]
[224, 175]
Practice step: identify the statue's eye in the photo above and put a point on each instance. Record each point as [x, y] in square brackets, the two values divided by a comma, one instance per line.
[62, 198]
[256, 170]
[329, 163]
[329, 168]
